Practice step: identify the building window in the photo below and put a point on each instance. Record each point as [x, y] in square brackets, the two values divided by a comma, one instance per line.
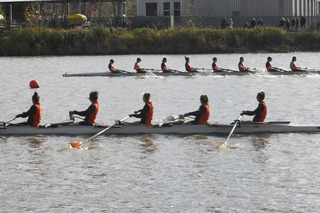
[166, 8]
[151, 9]
[177, 9]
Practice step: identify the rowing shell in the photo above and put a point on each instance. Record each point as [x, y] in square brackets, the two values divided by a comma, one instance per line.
[167, 128]
[110, 74]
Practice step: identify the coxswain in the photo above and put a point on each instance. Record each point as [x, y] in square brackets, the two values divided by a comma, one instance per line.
[111, 67]
[261, 112]
[241, 67]
[137, 66]
[188, 66]
[164, 67]
[215, 68]
[203, 113]
[293, 66]
[91, 113]
[269, 66]
[146, 114]
[34, 114]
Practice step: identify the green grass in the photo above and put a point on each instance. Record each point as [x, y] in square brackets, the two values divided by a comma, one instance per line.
[98, 41]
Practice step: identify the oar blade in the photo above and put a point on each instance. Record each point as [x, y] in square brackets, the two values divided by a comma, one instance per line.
[223, 144]
[76, 145]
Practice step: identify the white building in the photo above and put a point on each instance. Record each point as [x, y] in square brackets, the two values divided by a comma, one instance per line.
[228, 8]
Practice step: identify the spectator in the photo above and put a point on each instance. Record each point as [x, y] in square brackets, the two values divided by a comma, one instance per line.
[282, 23]
[230, 23]
[293, 24]
[297, 24]
[246, 25]
[223, 24]
[253, 23]
[287, 24]
[303, 22]
[260, 22]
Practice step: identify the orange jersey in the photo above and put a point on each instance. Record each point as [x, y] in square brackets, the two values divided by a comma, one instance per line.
[205, 116]
[137, 67]
[269, 66]
[111, 68]
[293, 66]
[93, 115]
[241, 67]
[189, 68]
[215, 68]
[37, 115]
[149, 114]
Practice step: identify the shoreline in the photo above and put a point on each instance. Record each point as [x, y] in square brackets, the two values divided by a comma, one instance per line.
[109, 41]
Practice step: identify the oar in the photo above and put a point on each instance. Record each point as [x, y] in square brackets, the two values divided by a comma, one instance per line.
[6, 123]
[76, 145]
[223, 144]
[153, 69]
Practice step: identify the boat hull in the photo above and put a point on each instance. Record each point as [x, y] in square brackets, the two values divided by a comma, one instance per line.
[178, 129]
[109, 74]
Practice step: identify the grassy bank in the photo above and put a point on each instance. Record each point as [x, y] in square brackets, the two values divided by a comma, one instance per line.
[83, 41]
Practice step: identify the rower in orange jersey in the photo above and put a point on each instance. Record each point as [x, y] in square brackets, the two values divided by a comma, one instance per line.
[260, 112]
[91, 113]
[269, 66]
[137, 66]
[241, 67]
[164, 67]
[188, 66]
[34, 114]
[215, 68]
[146, 114]
[203, 113]
[111, 67]
[293, 66]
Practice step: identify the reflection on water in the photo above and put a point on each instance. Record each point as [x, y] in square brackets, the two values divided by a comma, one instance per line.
[147, 144]
[260, 141]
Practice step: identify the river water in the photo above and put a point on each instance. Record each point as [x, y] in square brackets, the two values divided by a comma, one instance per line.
[160, 173]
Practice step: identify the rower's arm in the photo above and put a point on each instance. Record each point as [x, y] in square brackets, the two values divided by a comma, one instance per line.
[30, 112]
[90, 109]
[142, 112]
[259, 109]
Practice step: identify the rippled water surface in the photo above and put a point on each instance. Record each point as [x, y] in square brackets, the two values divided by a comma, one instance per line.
[160, 173]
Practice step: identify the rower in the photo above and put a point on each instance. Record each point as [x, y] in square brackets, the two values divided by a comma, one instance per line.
[111, 67]
[137, 66]
[241, 67]
[91, 113]
[34, 114]
[164, 67]
[269, 66]
[188, 66]
[215, 68]
[146, 114]
[261, 112]
[203, 113]
[293, 66]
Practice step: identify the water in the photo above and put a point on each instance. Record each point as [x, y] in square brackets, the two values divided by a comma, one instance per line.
[160, 173]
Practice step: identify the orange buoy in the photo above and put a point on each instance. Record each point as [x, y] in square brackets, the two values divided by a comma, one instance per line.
[34, 84]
